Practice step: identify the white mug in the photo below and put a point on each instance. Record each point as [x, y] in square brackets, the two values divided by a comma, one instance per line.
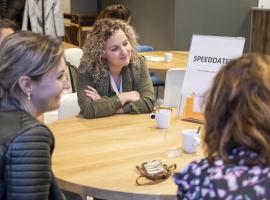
[190, 140]
[162, 117]
[168, 57]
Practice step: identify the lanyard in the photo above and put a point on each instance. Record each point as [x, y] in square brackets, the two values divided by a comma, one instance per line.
[113, 84]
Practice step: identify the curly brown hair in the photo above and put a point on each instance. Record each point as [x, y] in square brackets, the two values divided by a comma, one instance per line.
[237, 110]
[93, 60]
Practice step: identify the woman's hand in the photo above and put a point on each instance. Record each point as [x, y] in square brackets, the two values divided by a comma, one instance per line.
[128, 96]
[120, 111]
[92, 93]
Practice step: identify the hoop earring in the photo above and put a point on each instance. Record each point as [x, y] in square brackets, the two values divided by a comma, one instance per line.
[29, 96]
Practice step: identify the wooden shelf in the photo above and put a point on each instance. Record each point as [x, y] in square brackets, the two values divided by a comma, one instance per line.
[81, 23]
[260, 31]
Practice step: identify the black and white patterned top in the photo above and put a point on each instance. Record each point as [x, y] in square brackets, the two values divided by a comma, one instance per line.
[202, 180]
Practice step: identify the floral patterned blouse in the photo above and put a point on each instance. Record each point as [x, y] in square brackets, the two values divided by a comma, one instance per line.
[201, 180]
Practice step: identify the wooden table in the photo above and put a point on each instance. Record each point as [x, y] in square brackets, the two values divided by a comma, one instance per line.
[97, 157]
[179, 60]
[67, 45]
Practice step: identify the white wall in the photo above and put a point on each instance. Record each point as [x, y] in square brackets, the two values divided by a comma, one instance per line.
[264, 4]
[212, 17]
[169, 24]
[153, 21]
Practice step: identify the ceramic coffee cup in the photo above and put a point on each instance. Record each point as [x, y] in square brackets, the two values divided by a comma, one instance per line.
[190, 140]
[162, 117]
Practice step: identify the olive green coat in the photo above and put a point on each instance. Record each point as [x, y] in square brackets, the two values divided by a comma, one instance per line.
[133, 78]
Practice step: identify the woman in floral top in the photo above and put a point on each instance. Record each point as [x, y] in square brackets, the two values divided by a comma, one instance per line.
[237, 136]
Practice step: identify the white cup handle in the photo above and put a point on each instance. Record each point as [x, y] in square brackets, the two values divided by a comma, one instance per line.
[153, 116]
[196, 141]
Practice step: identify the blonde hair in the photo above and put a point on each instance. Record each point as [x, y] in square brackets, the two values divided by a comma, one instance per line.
[26, 53]
[237, 110]
[93, 60]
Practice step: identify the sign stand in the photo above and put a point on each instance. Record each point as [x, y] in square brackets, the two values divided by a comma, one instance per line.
[206, 56]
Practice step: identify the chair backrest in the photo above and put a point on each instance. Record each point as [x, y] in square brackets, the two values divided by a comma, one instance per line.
[73, 56]
[173, 85]
[73, 76]
[144, 48]
[68, 106]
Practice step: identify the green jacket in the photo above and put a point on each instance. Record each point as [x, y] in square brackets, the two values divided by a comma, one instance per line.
[133, 78]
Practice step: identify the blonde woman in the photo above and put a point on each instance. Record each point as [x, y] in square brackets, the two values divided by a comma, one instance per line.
[32, 78]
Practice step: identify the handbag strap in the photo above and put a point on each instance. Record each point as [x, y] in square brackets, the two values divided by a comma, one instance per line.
[151, 182]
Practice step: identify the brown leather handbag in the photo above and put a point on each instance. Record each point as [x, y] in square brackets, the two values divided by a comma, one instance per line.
[154, 171]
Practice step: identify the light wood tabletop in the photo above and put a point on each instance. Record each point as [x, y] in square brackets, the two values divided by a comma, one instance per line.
[67, 45]
[97, 157]
[180, 59]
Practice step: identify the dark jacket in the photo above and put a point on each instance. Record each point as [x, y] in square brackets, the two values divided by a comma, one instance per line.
[26, 146]
[133, 78]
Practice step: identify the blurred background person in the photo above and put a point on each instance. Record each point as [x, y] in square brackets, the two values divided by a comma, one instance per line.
[115, 11]
[7, 27]
[112, 77]
[237, 135]
[32, 78]
[13, 10]
[45, 17]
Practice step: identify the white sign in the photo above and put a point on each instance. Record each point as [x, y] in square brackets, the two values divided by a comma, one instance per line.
[206, 56]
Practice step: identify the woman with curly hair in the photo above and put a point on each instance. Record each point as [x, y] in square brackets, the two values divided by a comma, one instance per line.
[237, 135]
[112, 77]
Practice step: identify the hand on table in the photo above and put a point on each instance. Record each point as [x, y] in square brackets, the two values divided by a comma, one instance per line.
[120, 111]
[128, 96]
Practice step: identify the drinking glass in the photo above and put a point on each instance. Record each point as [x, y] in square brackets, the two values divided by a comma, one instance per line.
[171, 149]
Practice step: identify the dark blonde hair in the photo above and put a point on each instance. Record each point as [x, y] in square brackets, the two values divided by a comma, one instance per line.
[93, 60]
[115, 11]
[29, 54]
[237, 110]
